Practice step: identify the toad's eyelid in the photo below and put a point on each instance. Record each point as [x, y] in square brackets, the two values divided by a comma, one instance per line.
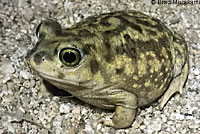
[38, 35]
[37, 31]
[81, 52]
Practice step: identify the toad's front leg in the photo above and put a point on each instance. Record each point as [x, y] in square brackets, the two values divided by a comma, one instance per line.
[124, 113]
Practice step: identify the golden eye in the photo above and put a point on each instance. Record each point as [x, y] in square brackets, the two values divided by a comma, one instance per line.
[70, 56]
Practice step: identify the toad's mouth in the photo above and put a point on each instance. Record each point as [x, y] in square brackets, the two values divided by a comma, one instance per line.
[65, 82]
[54, 79]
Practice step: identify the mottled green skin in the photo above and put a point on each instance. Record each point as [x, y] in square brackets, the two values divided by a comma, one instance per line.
[128, 60]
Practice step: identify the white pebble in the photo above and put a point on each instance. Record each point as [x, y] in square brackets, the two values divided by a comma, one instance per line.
[184, 16]
[64, 108]
[24, 74]
[83, 111]
[189, 117]
[6, 78]
[179, 116]
[22, 109]
[89, 129]
[7, 68]
[154, 125]
[34, 90]
[99, 126]
[196, 71]
[58, 121]
[68, 5]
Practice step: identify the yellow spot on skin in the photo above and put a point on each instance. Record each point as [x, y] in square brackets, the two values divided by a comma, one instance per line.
[156, 69]
[135, 85]
[135, 77]
[147, 84]
[142, 55]
[162, 61]
[155, 65]
[99, 77]
[161, 87]
[166, 69]
[129, 68]
[142, 65]
[123, 61]
[164, 53]
[165, 80]
[139, 86]
[152, 70]
[151, 53]
[161, 73]
[156, 80]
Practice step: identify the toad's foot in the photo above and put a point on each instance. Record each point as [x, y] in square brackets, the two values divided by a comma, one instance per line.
[175, 86]
[122, 118]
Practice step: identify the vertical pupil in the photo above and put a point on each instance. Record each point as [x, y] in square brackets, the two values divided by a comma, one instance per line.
[69, 57]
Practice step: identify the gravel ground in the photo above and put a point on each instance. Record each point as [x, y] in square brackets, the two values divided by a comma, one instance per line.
[26, 107]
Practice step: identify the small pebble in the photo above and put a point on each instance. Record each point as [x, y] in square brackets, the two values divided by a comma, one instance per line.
[64, 108]
[7, 68]
[185, 16]
[24, 74]
[197, 71]
[174, 20]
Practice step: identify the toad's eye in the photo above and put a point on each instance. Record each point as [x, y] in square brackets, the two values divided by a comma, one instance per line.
[70, 56]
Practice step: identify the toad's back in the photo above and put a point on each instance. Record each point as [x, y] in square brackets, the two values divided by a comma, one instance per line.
[134, 50]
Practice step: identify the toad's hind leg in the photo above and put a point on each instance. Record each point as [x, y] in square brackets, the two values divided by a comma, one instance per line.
[125, 111]
[175, 86]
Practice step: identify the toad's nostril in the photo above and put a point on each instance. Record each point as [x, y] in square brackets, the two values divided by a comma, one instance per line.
[39, 57]
[43, 59]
